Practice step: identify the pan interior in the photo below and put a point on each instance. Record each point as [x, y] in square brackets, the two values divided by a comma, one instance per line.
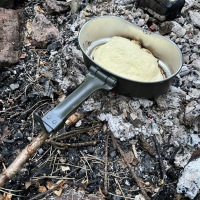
[90, 50]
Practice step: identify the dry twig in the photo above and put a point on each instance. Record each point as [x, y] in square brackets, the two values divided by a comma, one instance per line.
[66, 145]
[161, 166]
[130, 168]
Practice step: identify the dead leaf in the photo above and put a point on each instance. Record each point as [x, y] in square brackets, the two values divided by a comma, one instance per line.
[21, 55]
[8, 197]
[49, 184]
[195, 155]
[65, 168]
[100, 190]
[105, 127]
[39, 9]
[61, 98]
[28, 24]
[130, 158]
[118, 191]
[28, 184]
[57, 192]
[123, 165]
[42, 189]
[93, 130]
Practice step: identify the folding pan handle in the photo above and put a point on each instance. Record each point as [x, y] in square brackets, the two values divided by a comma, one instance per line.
[55, 119]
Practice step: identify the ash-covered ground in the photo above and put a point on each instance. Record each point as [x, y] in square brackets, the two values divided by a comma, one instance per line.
[50, 68]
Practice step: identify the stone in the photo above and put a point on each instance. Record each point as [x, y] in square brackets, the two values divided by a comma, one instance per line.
[40, 151]
[14, 86]
[75, 6]
[11, 35]
[53, 6]
[184, 71]
[178, 29]
[141, 22]
[43, 32]
[189, 182]
[7, 4]
[161, 103]
[195, 17]
[196, 64]
[165, 27]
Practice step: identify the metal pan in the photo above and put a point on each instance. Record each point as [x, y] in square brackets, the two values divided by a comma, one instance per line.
[97, 32]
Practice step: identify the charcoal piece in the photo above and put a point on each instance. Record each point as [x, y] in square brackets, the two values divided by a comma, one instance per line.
[170, 9]
[167, 193]
[18, 136]
[91, 188]
[173, 173]
[54, 46]
[73, 156]
[48, 90]
[81, 174]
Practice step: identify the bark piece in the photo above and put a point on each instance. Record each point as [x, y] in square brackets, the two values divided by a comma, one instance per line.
[43, 31]
[11, 35]
[54, 6]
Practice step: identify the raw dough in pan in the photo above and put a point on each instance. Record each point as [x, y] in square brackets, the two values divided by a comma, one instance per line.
[126, 58]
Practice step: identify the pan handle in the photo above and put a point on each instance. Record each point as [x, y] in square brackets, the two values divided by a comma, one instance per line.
[55, 119]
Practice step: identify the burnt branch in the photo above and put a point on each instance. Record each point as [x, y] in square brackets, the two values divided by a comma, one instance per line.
[106, 168]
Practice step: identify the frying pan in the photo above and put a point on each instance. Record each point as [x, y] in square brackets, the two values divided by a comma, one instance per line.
[97, 32]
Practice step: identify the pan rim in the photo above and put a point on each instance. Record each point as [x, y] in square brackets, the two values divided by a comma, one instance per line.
[122, 77]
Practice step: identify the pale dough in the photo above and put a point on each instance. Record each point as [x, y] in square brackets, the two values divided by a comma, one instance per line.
[126, 58]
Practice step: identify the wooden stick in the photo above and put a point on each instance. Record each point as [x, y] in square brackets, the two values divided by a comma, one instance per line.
[22, 158]
[130, 168]
[106, 168]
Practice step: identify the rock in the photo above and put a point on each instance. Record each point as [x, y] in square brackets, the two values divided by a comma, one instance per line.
[43, 32]
[184, 71]
[40, 151]
[53, 6]
[165, 27]
[75, 6]
[7, 4]
[189, 182]
[196, 64]
[192, 114]
[145, 103]
[141, 22]
[73, 156]
[161, 103]
[117, 125]
[178, 29]
[10, 36]
[139, 197]
[195, 17]
[14, 86]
